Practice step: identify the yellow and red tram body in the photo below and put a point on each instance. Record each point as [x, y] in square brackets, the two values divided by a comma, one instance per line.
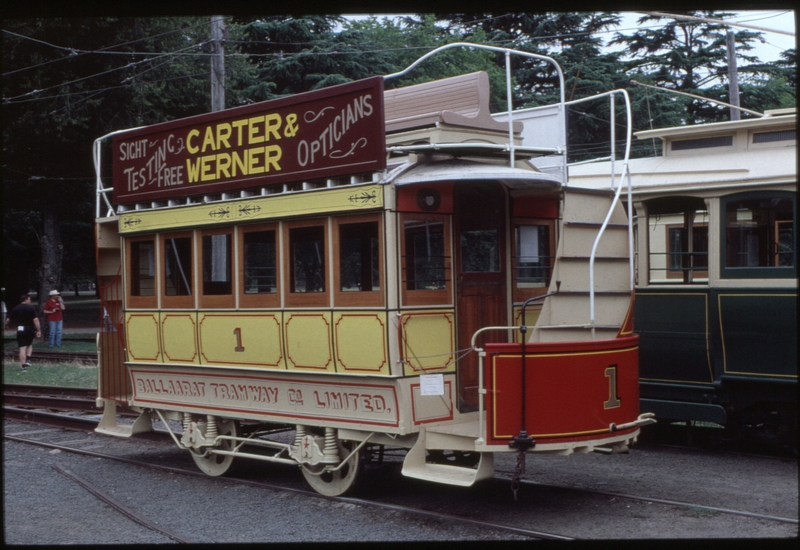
[353, 265]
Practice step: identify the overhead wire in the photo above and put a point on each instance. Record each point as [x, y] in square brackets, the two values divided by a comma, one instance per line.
[186, 52]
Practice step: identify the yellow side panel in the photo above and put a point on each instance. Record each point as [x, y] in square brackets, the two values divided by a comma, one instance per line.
[241, 339]
[142, 336]
[427, 341]
[531, 316]
[308, 341]
[179, 334]
[339, 199]
[360, 340]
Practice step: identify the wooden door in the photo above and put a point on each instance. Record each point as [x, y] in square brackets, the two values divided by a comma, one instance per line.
[480, 228]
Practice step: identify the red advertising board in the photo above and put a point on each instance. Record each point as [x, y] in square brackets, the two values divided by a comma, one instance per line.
[325, 133]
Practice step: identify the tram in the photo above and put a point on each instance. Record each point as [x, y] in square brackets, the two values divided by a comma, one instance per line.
[716, 292]
[312, 279]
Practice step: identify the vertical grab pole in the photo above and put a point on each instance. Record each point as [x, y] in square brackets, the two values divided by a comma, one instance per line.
[522, 441]
[510, 108]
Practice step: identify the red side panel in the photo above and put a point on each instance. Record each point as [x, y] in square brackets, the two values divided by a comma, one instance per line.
[574, 390]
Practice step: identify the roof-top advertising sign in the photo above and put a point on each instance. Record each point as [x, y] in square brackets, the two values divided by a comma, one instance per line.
[325, 133]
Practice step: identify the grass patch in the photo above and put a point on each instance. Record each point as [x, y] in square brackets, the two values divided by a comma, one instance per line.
[51, 374]
[70, 344]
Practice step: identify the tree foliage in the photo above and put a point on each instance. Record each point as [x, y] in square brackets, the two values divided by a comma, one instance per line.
[690, 55]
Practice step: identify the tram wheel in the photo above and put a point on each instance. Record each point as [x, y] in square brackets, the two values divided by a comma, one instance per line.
[215, 464]
[339, 482]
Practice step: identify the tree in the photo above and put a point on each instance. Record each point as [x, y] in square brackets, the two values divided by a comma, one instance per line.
[688, 56]
[67, 82]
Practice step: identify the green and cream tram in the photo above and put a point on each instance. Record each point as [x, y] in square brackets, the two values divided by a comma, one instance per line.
[716, 292]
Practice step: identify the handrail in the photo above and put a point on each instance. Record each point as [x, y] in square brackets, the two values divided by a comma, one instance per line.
[101, 192]
[507, 52]
[618, 189]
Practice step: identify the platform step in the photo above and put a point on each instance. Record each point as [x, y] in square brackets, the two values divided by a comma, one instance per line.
[108, 423]
[415, 466]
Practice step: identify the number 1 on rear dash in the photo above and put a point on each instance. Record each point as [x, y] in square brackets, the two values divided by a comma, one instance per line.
[238, 333]
[611, 374]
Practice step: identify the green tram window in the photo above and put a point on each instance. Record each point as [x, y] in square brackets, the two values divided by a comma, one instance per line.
[677, 240]
[178, 266]
[142, 269]
[260, 270]
[359, 269]
[758, 235]
[217, 264]
[307, 245]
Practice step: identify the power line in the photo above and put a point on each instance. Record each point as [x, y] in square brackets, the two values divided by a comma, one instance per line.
[104, 50]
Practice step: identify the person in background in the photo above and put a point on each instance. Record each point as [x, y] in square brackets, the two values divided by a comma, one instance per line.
[25, 319]
[53, 308]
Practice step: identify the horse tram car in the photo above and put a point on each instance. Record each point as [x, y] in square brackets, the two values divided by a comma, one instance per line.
[716, 293]
[313, 279]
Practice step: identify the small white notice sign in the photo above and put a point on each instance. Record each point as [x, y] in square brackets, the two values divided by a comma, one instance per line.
[431, 384]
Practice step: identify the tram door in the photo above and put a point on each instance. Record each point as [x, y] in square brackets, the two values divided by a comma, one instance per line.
[480, 272]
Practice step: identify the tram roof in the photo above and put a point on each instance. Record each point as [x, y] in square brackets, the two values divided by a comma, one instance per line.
[466, 170]
[773, 118]
[721, 154]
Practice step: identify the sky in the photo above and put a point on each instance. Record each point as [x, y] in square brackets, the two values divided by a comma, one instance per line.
[775, 43]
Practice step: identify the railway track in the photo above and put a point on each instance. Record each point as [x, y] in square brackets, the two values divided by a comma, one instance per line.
[517, 530]
[40, 356]
[77, 417]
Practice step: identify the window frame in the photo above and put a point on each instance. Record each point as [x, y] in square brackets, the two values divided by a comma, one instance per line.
[376, 298]
[134, 301]
[182, 301]
[305, 299]
[265, 300]
[216, 300]
[442, 296]
[760, 272]
[678, 274]
[519, 295]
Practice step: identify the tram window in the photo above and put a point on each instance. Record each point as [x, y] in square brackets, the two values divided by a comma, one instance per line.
[533, 256]
[759, 235]
[307, 263]
[681, 257]
[678, 240]
[260, 275]
[178, 266]
[425, 260]
[142, 268]
[217, 264]
[359, 270]
[479, 251]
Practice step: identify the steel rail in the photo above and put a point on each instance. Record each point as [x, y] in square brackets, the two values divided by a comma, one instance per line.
[274, 487]
[118, 506]
[661, 501]
[352, 500]
[417, 511]
[57, 356]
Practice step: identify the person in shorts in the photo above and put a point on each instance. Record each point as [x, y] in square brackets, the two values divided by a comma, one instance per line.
[24, 319]
[53, 309]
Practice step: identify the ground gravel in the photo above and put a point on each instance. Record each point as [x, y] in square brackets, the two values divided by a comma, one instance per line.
[44, 507]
